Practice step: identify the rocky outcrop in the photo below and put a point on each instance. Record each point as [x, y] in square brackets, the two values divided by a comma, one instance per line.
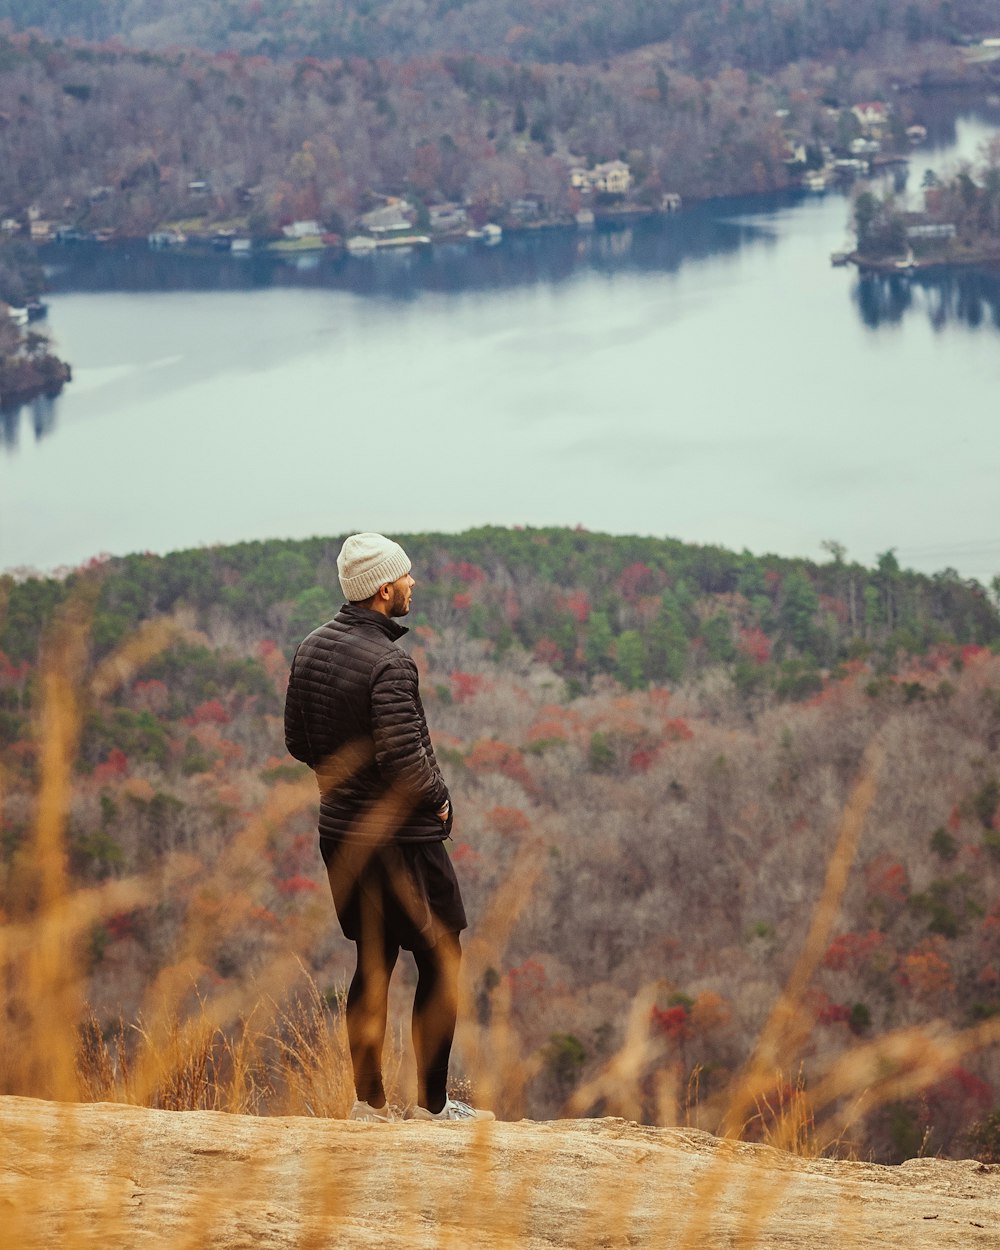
[116, 1176]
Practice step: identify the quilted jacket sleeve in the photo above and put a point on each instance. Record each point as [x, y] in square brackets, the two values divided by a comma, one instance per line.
[296, 735]
[403, 749]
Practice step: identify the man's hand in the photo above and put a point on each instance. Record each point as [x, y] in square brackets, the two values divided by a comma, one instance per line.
[442, 812]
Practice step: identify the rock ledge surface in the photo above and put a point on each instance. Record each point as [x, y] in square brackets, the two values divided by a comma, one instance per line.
[115, 1176]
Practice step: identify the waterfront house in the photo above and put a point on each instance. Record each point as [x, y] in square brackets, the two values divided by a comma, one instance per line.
[166, 238]
[445, 218]
[526, 210]
[931, 230]
[871, 113]
[389, 218]
[613, 177]
[302, 229]
[795, 151]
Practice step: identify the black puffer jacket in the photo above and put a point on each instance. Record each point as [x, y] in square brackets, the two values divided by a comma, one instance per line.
[353, 713]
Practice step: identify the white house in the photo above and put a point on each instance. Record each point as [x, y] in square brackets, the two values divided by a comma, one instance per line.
[615, 177]
[302, 230]
[446, 217]
[871, 113]
[388, 218]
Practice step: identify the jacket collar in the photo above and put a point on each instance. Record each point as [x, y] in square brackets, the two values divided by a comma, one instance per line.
[357, 614]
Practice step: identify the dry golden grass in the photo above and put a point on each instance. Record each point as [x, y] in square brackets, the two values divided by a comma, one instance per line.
[283, 1051]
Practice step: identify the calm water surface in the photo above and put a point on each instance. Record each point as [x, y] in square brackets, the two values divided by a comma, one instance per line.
[709, 377]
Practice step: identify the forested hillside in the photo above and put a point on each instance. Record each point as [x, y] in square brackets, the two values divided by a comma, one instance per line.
[315, 113]
[706, 34]
[651, 747]
[100, 138]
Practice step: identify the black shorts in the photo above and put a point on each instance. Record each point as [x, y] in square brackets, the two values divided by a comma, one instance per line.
[407, 893]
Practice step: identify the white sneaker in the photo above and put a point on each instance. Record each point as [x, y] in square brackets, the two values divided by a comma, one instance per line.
[453, 1109]
[372, 1115]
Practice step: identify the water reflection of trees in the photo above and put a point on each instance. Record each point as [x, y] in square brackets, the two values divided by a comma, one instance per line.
[660, 245]
[968, 297]
[39, 414]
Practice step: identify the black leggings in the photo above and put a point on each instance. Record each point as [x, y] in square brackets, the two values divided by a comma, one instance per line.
[435, 1011]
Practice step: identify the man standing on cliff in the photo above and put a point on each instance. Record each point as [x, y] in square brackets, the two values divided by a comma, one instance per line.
[353, 714]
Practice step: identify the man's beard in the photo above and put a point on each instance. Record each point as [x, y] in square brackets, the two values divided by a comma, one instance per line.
[399, 605]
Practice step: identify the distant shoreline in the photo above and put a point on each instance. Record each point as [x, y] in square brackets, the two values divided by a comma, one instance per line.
[865, 264]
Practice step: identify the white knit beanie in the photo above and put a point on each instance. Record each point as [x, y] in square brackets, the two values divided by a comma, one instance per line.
[368, 561]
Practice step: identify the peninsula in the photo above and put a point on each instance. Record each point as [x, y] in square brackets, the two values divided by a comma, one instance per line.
[957, 221]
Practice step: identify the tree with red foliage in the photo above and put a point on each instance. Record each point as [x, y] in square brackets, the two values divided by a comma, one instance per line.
[887, 880]
[755, 645]
[577, 604]
[851, 951]
[211, 712]
[635, 580]
[673, 1023]
[465, 857]
[465, 686]
[116, 765]
[926, 971]
[833, 1013]
[12, 674]
[14, 677]
[507, 820]
[546, 651]
[493, 756]
[953, 1103]
[121, 925]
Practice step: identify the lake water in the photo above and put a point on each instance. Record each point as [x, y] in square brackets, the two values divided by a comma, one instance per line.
[709, 377]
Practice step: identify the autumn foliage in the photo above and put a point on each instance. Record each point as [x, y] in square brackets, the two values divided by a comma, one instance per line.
[640, 856]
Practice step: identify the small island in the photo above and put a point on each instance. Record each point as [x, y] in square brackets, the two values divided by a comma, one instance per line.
[957, 223]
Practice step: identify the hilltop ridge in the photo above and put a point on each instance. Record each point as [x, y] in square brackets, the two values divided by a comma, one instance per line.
[677, 729]
[145, 1178]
